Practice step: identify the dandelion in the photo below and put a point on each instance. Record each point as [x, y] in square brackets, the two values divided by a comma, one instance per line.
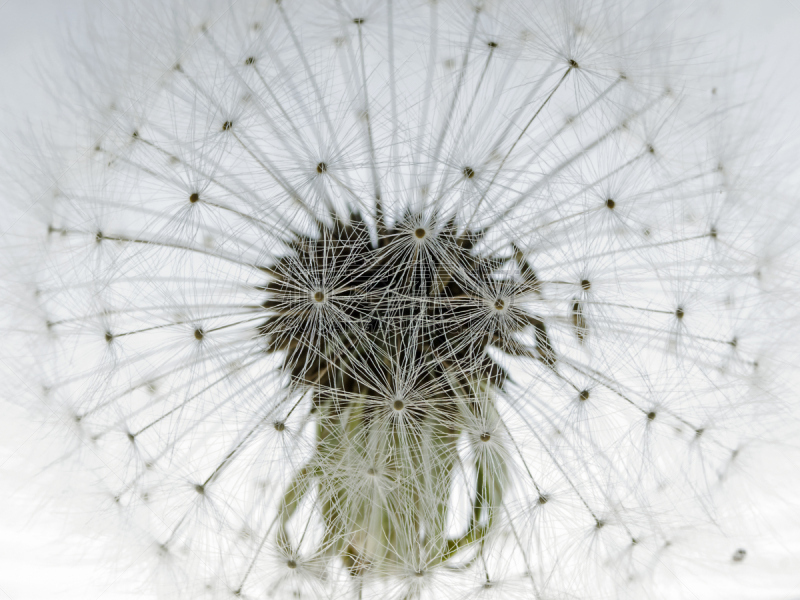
[382, 300]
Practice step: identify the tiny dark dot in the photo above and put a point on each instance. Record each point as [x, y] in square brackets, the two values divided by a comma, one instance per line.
[739, 555]
[291, 564]
[543, 499]
[584, 395]
[194, 197]
[650, 149]
[651, 415]
[200, 489]
[370, 471]
[358, 21]
[227, 125]
[492, 44]
[177, 67]
[713, 232]
[599, 524]
[623, 76]
[198, 334]
[398, 405]
[109, 336]
[586, 285]
[485, 436]
[319, 296]
[419, 232]
[499, 304]
[322, 168]
[734, 342]
[279, 425]
[634, 541]
[699, 432]
[713, 90]
[419, 573]
[131, 437]
[250, 60]
[135, 134]
[573, 64]
[469, 172]
[610, 204]
[99, 237]
[679, 312]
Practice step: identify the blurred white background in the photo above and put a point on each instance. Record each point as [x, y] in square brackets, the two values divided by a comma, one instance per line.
[41, 557]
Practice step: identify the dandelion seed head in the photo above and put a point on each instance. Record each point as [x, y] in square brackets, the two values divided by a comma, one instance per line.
[461, 299]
